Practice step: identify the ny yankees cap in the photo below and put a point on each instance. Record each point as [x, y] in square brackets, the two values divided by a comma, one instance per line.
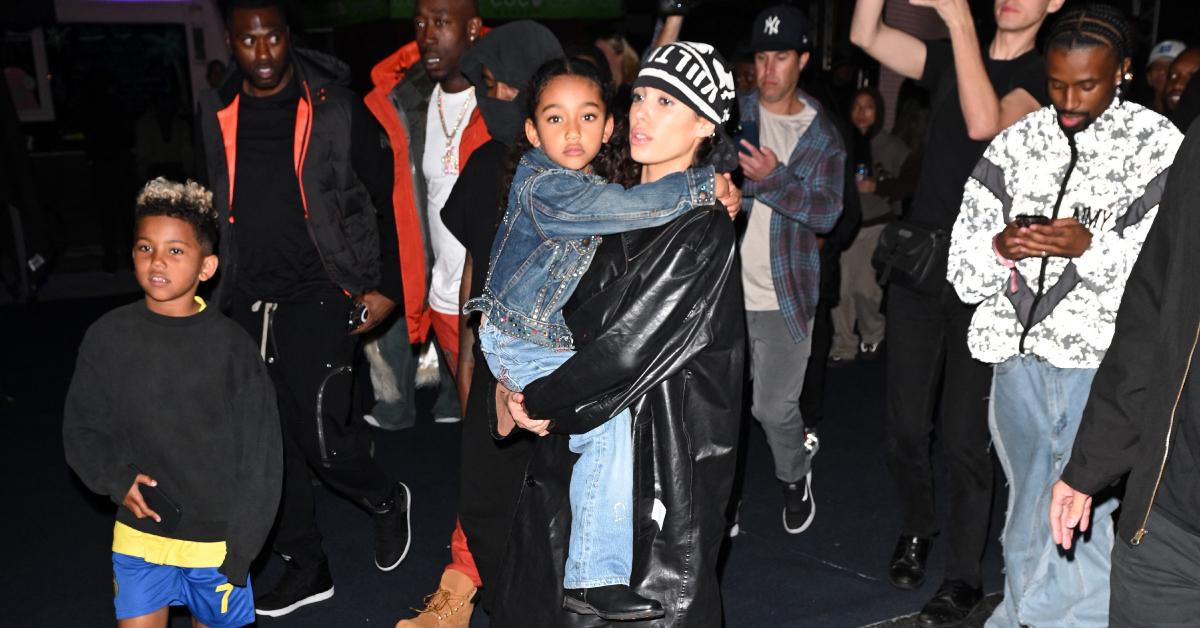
[780, 27]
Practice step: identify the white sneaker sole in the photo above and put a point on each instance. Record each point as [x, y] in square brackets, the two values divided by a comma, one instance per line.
[407, 524]
[812, 514]
[312, 599]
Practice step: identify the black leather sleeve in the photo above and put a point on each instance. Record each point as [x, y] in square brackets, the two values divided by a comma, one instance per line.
[643, 326]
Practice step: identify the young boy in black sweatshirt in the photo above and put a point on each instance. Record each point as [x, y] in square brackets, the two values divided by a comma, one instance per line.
[171, 414]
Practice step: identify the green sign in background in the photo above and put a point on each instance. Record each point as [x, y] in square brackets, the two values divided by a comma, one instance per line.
[347, 12]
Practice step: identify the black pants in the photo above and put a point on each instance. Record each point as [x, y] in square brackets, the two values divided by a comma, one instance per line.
[1156, 583]
[493, 475]
[312, 361]
[927, 353]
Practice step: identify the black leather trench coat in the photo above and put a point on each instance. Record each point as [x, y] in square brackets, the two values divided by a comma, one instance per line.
[659, 328]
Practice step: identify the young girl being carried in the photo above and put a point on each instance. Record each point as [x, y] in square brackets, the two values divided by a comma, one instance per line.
[558, 208]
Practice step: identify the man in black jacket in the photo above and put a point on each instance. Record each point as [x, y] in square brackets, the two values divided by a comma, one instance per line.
[1143, 420]
[303, 184]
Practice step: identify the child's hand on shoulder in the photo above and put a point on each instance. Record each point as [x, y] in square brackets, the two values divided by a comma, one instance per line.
[728, 194]
[134, 501]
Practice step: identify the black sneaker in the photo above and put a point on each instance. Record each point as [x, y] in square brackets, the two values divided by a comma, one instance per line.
[299, 586]
[392, 528]
[798, 507]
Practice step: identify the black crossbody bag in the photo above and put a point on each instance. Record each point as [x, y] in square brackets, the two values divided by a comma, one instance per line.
[912, 255]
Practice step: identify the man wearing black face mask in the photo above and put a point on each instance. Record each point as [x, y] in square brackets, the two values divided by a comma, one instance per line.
[498, 68]
[1052, 220]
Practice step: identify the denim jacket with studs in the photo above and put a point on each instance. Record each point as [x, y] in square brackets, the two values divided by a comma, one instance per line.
[553, 224]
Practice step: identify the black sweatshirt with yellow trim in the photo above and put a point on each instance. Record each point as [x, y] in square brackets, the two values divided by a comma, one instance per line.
[189, 402]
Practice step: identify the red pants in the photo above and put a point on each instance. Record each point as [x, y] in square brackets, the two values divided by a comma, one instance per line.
[445, 329]
[460, 555]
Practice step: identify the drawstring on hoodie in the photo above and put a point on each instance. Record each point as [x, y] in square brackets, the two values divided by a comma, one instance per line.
[1062, 192]
[268, 315]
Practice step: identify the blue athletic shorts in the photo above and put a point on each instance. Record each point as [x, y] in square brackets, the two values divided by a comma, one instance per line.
[143, 587]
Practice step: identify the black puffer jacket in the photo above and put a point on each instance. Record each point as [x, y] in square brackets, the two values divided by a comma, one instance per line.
[341, 154]
[659, 328]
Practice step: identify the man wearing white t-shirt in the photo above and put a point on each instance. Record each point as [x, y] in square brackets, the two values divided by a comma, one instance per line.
[427, 108]
[793, 188]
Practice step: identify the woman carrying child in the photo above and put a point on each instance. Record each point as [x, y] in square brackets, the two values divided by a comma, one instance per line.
[658, 329]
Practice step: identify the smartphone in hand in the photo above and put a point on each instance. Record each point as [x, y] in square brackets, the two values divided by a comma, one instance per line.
[1025, 220]
[169, 511]
[748, 132]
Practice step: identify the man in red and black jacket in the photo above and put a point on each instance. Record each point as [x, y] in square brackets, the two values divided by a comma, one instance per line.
[428, 110]
[302, 181]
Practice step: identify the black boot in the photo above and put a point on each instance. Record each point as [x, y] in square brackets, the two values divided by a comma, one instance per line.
[392, 533]
[907, 570]
[615, 602]
[300, 585]
[950, 606]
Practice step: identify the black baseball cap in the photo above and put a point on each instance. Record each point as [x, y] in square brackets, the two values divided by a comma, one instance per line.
[780, 27]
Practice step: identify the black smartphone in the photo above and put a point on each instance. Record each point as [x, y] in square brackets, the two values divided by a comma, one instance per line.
[169, 511]
[748, 132]
[358, 315]
[1024, 220]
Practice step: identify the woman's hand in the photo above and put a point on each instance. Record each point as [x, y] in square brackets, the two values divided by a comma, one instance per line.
[732, 198]
[510, 409]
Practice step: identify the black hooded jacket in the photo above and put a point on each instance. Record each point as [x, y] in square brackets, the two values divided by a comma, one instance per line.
[658, 324]
[512, 52]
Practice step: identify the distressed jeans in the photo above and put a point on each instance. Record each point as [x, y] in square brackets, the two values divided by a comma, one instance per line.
[601, 545]
[1034, 414]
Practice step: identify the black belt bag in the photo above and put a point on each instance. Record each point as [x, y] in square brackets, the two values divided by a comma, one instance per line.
[913, 256]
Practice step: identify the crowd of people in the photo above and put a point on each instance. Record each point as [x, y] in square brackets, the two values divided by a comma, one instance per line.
[602, 246]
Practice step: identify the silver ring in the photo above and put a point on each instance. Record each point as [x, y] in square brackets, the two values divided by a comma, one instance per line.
[1043, 254]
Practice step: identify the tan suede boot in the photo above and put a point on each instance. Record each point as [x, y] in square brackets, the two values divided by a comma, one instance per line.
[449, 606]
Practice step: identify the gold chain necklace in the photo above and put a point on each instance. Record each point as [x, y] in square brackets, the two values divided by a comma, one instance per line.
[450, 159]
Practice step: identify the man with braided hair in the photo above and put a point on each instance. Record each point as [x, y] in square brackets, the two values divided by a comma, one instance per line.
[976, 92]
[1052, 220]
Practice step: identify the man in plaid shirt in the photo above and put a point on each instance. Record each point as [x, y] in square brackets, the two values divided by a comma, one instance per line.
[789, 204]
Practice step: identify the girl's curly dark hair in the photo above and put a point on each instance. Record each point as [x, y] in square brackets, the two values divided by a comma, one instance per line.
[612, 162]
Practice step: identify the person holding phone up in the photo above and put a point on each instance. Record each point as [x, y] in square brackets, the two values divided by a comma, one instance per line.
[789, 202]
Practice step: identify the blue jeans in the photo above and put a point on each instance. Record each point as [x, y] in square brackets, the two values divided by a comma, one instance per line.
[1034, 414]
[601, 549]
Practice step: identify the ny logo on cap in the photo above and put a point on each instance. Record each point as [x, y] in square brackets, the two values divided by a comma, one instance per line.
[771, 26]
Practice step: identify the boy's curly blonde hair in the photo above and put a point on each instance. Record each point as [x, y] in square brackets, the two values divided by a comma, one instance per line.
[188, 201]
